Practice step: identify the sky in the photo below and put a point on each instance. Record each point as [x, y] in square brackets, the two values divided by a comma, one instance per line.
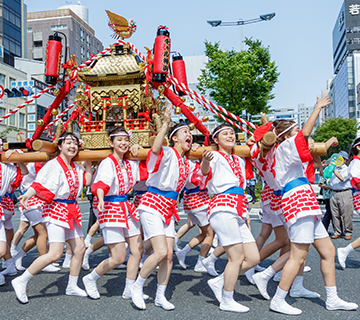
[299, 37]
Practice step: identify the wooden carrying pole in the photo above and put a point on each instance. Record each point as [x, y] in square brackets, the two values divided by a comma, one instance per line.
[98, 155]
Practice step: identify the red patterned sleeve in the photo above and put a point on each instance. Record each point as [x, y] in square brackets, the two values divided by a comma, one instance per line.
[46, 194]
[17, 180]
[158, 160]
[198, 179]
[100, 185]
[302, 147]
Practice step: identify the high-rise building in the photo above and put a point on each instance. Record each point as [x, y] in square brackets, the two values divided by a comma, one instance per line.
[12, 30]
[346, 60]
[80, 36]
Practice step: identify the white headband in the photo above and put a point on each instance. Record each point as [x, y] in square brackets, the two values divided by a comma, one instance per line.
[122, 133]
[356, 145]
[286, 130]
[71, 138]
[221, 129]
[178, 128]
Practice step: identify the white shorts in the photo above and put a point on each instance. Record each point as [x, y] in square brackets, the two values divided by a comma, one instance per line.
[199, 218]
[61, 234]
[34, 217]
[22, 217]
[2, 232]
[230, 228]
[269, 217]
[306, 230]
[7, 222]
[153, 225]
[117, 234]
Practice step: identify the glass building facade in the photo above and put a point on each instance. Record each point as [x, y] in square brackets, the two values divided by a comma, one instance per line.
[11, 29]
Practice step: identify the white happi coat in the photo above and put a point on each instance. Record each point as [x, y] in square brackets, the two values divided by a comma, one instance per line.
[52, 183]
[301, 200]
[10, 178]
[114, 180]
[354, 169]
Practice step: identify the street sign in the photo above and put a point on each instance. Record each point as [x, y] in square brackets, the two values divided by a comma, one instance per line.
[2, 91]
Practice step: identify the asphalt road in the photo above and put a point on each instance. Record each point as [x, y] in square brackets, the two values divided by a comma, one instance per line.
[187, 290]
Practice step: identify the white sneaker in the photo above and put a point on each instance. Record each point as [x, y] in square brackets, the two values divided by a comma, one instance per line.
[75, 291]
[2, 280]
[210, 266]
[127, 294]
[259, 268]
[176, 248]
[338, 304]
[66, 263]
[277, 276]
[297, 290]
[217, 285]
[4, 263]
[233, 306]
[211, 250]
[181, 255]
[51, 268]
[283, 307]
[20, 290]
[137, 297]
[162, 302]
[199, 267]
[10, 270]
[90, 287]
[307, 269]
[342, 257]
[261, 284]
[18, 264]
[249, 274]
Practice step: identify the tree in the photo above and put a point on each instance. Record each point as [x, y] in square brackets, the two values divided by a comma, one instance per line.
[343, 129]
[239, 80]
[5, 133]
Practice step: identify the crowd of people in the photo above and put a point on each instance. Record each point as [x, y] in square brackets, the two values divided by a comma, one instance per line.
[143, 231]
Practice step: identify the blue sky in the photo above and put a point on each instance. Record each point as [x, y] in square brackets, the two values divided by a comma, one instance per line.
[299, 37]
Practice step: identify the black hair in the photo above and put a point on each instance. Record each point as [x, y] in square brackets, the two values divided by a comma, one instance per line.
[171, 130]
[115, 130]
[281, 125]
[223, 125]
[353, 151]
[66, 134]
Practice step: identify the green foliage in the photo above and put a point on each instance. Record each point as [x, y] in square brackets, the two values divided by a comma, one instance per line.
[239, 80]
[343, 129]
[5, 133]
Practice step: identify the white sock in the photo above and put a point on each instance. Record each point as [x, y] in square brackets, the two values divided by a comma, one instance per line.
[331, 293]
[13, 247]
[21, 254]
[213, 258]
[72, 281]
[129, 282]
[160, 290]
[89, 251]
[186, 249]
[200, 258]
[26, 276]
[280, 294]
[94, 276]
[176, 239]
[268, 273]
[68, 256]
[140, 281]
[348, 249]
[227, 296]
[88, 238]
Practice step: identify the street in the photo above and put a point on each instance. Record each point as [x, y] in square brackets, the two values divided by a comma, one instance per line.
[187, 290]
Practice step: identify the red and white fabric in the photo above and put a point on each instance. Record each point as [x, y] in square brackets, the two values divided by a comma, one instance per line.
[9, 176]
[354, 169]
[114, 180]
[301, 200]
[168, 171]
[56, 181]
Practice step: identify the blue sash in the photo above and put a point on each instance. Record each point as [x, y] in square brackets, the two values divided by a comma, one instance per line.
[355, 190]
[64, 200]
[235, 190]
[167, 194]
[293, 184]
[116, 198]
[197, 189]
[140, 192]
[277, 193]
[9, 195]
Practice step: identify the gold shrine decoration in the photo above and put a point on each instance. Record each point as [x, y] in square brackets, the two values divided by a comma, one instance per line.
[121, 27]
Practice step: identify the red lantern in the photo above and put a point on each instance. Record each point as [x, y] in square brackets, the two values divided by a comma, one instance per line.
[53, 59]
[161, 54]
[179, 71]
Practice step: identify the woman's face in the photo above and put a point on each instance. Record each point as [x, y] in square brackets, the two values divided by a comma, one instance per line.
[183, 138]
[293, 132]
[69, 148]
[226, 139]
[120, 144]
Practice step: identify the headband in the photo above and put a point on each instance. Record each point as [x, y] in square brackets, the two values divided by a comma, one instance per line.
[286, 130]
[71, 138]
[221, 129]
[122, 133]
[178, 128]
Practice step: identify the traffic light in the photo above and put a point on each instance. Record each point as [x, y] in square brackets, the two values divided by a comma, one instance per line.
[18, 92]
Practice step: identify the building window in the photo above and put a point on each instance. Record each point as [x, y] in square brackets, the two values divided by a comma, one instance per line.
[21, 120]
[12, 120]
[2, 113]
[82, 51]
[2, 80]
[59, 27]
[88, 40]
[82, 35]
[30, 135]
[29, 30]
[31, 126]
[31, 109]
[31, 118]
[37, 44]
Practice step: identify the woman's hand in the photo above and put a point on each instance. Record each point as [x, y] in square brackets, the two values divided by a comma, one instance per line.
[101, 205]
[250, 141]
[167, 115]
[194, 146]
[8, 153]
[207, 155]
[135, 149]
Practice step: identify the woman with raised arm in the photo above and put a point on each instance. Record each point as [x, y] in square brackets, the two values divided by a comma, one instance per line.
[60, 182]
